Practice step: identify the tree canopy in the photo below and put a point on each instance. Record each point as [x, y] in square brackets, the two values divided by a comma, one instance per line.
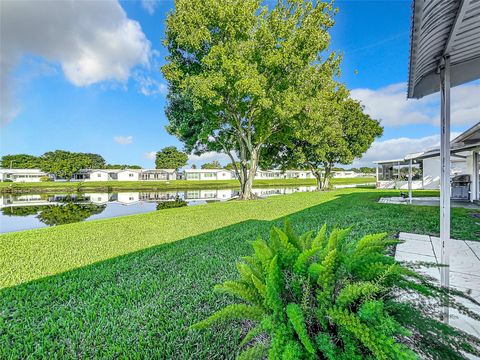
[170, 158]
[215, 164]
[20, 161]
[238, 73]
[63, 164]
[122, 166]
[333, 130]
[96, 161]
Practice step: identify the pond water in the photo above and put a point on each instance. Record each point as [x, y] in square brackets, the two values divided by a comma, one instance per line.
[31, 211]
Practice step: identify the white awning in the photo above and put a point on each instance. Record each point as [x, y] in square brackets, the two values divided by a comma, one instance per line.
[443, 28]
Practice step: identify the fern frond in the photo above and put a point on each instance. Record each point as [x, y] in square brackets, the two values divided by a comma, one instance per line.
[241, 290]
[320, 239]
[292, 236]
[301, 264]
[252, 333]
[255, 352]
[260, 286]
[274, 284]
[232, 312]
[295, 315]
[354, 291]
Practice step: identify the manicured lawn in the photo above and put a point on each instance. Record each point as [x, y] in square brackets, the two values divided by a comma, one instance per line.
[8, 187]
[130, 286]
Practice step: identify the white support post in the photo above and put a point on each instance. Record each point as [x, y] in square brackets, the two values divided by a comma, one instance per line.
[445, 174]
[475, 181]
[410, 181]
[376, 170]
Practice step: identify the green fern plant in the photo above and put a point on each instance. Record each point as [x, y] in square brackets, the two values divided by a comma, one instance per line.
[327, 296]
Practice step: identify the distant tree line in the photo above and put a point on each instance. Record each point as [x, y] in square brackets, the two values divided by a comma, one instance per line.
[60, 163]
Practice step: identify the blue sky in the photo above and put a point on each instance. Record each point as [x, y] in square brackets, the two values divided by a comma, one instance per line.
[54, 96]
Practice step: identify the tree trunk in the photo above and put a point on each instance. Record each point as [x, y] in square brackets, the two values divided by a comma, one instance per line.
[318, 175]
[327, 175]
[246, 183]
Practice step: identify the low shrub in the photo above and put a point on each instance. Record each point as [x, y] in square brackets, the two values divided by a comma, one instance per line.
[163, 205]
[8, 180]
[326, 296]
[45, 179]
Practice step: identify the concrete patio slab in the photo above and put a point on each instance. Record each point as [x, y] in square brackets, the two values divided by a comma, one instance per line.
[427, 201]
[464, 270]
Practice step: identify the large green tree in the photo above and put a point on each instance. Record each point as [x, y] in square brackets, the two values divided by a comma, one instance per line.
[20, 161]
[238, 74]
[96, 161]
[121, 166]
[63, 164]
[215, 164]
[333, 130]
[170, 158]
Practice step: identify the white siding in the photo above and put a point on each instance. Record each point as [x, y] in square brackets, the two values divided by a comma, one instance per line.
[128, 175]
[98, 176]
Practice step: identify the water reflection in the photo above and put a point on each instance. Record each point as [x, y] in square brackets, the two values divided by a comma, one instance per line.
[21, 212]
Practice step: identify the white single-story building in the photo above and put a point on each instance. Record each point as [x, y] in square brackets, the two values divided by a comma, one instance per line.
[464, 168]
[283, 174]
[344, 174]
[129, 175]
[124, 174]
[95, 175]
[22, 175]
[158, 174]
[208, 174]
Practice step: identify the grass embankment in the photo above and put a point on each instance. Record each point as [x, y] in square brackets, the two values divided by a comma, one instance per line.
[52, 186]
[131, 286]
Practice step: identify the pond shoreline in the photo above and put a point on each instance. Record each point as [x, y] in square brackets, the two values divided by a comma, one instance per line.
[75, 187]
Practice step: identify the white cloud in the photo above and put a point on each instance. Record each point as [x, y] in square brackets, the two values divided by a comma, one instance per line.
[150, 5]
[123, 140]
[148, 86]
[209, 157]
[151, 155]
[397, 148]
[390, 105]
[93, 41]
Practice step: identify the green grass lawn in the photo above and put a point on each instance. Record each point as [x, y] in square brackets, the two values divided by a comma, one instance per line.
[131, 286]
[8, 187]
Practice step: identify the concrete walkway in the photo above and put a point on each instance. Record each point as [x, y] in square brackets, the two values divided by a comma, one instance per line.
[464, 270]
[427, 201]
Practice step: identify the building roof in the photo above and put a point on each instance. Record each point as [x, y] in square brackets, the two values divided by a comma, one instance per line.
[466, 141]
[205, 170]
[23, 171]
[393, 161]
[468, 136]
[443, 28]
[159, 170]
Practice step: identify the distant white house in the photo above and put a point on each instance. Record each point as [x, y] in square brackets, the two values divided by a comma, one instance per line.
[21, 175]
[283, 174]
[344, 174]
[124, 174]
[158, 174]
[208, 174]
